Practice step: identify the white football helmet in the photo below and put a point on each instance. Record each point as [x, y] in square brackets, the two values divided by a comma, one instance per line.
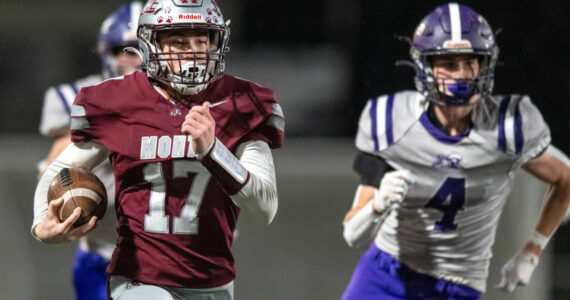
[175, 15]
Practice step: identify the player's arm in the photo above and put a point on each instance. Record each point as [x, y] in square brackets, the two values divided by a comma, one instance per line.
[249, 178]
[46, 226]
[371, 204]
[362, 221]
[555, 173]
[57, 147]
[551, 170]
[554, 151]
[259, 194]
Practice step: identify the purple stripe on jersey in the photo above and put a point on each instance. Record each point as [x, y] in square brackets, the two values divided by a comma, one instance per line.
[519, 138]
[502, 113]
[62, 98]
[389, 128]
[440, 136]
[374, 133]
[74, 88]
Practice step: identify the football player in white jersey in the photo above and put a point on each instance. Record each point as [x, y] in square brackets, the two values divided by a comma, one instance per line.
[437, 166]
[94, 252]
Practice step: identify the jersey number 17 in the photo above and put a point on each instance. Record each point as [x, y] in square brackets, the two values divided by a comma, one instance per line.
[186, 223]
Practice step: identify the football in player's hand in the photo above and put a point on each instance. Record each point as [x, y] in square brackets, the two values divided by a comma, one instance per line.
[78, 188]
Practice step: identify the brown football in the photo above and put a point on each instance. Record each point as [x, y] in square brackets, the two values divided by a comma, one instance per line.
[79, 188]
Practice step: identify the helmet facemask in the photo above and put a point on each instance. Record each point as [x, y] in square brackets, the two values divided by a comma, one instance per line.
[454, 91]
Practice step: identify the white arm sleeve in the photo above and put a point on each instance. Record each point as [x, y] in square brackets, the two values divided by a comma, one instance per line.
[363, 226]
[82, 155]
[259, 195]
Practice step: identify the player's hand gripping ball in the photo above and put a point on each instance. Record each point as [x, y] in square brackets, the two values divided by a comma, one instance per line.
[78, 188]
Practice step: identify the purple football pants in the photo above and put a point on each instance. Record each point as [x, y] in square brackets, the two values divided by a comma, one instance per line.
[380, 276]
[89, 276]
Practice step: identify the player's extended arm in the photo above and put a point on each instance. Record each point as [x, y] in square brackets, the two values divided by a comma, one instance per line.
[551, 170]
[46, 226]
[371, 205]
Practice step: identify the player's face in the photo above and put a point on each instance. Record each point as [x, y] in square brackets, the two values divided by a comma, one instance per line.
[127, 62]
[191, 43]
[448, 68]
[455, 66]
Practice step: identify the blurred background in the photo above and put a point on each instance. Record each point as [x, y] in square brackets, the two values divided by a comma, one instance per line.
[324, 59]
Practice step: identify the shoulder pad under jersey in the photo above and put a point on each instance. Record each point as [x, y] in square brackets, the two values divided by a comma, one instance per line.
[261, 110]
[521, 129]
[386, 119]
[105, 101]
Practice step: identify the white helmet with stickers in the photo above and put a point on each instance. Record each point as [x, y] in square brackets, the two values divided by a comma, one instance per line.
[197, 69]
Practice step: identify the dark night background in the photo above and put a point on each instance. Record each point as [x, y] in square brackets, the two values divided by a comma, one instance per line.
[50, 42]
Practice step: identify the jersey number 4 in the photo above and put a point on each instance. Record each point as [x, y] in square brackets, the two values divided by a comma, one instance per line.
[449, 198]
[156, 220]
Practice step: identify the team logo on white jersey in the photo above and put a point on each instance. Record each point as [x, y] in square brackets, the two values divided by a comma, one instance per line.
[447, 161]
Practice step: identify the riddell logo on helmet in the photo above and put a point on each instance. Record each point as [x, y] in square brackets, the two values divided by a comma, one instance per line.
[196, 17]
[457, 44]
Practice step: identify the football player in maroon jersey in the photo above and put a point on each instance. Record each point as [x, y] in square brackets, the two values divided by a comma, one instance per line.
[189, 146]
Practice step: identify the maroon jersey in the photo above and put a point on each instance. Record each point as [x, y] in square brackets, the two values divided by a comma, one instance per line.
[175, 223]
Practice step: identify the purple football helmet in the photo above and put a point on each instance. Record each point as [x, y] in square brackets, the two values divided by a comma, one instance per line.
[454, 29]
[119, 30]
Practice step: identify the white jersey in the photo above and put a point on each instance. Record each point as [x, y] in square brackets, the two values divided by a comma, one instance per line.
[56, 116]
[56, 111]
[446, 224]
